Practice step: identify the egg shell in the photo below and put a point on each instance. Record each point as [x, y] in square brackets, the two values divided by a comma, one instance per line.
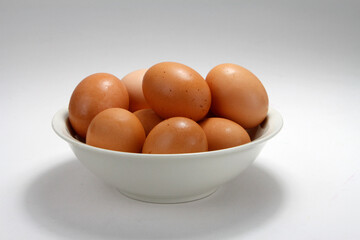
[133, 83]
[116, 129]
[223, 133]
[176, 135]
[237, 94]
[174, 89]
[91, 96]
[148, 118]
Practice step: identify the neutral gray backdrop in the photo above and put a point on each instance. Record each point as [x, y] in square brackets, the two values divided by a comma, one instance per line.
[304, 185]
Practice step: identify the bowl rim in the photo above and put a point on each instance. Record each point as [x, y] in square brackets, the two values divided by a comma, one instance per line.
[62, 115]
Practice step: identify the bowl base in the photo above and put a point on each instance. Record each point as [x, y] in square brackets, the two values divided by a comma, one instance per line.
[152, 199]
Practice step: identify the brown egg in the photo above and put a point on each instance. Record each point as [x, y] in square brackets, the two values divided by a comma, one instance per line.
[237, 94]
[148, 118]
[92, 95]
[116, 129]
[133, 83]
[176, 135]
[173, 89]
[223, 133]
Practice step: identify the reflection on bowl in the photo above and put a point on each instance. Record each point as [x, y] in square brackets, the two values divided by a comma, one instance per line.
[168, 178]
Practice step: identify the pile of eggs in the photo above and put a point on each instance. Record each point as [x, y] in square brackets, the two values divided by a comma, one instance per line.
[168, 108]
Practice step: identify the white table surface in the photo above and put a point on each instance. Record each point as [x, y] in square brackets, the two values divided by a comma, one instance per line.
[304, 185]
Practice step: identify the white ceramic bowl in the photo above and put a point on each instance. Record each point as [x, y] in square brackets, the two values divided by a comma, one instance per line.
[168, 178]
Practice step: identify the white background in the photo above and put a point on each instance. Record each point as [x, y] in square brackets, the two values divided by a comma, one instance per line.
[304, 185]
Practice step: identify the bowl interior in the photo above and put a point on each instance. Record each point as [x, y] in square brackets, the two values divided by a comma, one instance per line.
[266, 130]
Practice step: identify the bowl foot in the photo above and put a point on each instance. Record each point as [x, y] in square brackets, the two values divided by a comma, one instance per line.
[154, 199]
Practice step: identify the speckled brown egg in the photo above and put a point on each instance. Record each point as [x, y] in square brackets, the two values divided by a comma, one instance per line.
[176, 135]
[92, 95]
[116, 129]
[148, 118]
[237, 94]
[133, 83]
[223, 133]
[174, 89]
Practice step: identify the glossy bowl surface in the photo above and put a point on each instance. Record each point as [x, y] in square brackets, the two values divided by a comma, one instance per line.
[168, 178]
